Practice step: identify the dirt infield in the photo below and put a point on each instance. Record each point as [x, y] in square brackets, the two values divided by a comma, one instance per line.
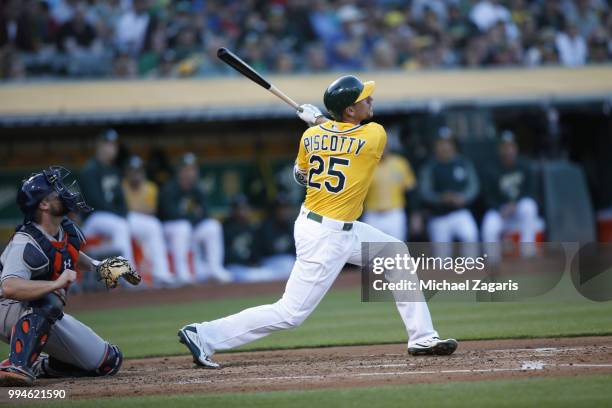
[358, 366]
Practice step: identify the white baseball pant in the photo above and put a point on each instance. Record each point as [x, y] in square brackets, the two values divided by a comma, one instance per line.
[458, 224]
[392, 222]
[113, 227]
[205, 240]
[148, 231]
[322, 251]
[525, 220]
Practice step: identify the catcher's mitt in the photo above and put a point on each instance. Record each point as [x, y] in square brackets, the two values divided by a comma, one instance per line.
[111, 269]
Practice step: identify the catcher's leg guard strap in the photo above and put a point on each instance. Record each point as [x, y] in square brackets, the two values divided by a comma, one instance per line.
[50, 306]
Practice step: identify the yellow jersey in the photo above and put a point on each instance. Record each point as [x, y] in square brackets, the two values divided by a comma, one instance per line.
[392, 178]
[339, 161]
[143, 199]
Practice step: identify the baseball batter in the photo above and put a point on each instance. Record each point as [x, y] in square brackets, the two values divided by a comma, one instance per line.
[37, 266]
[335, 161]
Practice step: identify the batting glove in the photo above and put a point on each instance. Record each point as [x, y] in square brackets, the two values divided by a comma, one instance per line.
[309, 113]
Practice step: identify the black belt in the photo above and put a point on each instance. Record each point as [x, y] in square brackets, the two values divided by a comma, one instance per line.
[319, 218]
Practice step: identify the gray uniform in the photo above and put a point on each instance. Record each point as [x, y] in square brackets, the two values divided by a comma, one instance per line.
[69, 340]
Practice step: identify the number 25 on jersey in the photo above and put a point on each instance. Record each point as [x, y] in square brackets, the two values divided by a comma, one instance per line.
[333, 179]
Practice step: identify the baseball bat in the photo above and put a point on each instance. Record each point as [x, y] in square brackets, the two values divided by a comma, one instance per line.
[245, 69]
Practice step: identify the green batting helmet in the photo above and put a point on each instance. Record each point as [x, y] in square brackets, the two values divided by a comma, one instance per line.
[344, 92]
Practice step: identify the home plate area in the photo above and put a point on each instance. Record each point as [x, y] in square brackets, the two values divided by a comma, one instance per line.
[351, 366]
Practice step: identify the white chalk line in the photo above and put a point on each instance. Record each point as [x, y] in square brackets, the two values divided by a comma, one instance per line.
[537, 350]
[541, 350]
[509, 352]
[526, 366]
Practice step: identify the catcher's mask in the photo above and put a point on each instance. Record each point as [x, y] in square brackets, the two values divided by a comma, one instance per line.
[39, 185]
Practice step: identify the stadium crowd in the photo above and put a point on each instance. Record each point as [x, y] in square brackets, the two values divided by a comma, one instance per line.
[163, 38]
[166, 227]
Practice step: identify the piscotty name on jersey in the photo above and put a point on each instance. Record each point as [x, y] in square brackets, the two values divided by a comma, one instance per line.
[333, 143]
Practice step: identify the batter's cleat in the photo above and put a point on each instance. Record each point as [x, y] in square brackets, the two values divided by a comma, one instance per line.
[188, 335]
[13, 376]
[434, 347]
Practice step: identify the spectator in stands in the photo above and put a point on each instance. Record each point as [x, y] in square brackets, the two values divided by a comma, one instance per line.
[350, 43]
[141, 197]
[551, 15]
[188, 227]
[35, 29]
[571, 46]
[76, 33]
[476, 51]
[63, 10]
[600, 47]
[420, 8]
[210, 64]
[487, 13]
[585, 15]
[170, 39]
[384, 56]
[509, 196]
[385, 204]
[448, 184]
[275, 239]
[101, 183]
[543, 51]
[133, 27]
[124, 66]
[316, 58]
[78, 41]
[458, 27]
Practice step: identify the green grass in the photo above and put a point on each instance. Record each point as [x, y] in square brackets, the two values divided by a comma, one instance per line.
[588, 391]
[342, 320]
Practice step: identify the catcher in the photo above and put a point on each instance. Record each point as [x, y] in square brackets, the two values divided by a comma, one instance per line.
[38, 265]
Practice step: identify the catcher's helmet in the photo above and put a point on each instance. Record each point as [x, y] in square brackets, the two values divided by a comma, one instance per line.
[344, 92]
[39, 185]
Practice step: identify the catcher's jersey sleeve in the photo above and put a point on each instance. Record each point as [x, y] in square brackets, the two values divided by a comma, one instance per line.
[340, 159]
[13, 265]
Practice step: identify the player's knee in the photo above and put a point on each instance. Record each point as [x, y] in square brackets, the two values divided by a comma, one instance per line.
[50, 306]
[294, 320]
[113, 358]
[290, 318]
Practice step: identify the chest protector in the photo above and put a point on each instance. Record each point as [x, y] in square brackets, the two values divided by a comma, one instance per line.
[56, 256]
